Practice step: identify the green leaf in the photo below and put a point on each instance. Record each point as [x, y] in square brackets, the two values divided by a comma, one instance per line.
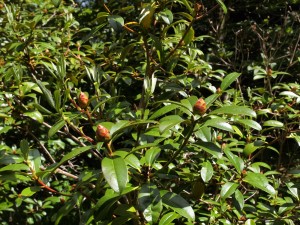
[293, 190]
[273, 123]
[178, 204]
[150, 202]
[234, 110]
[56, 127]
[260, 181]
[169, 122]
[130, 159]
[168, 218]
[236, 161]
[167, 16]
[14, 167]
[57, 99]
[250, 123]
[228, 80]
[116, 22]
[24, 146]
[162, 111]
[46, 93]
[146, 16]
[250, 222]
[210, 148]
[252, 147]
[228, 189]
[115, 173]
[207, 171]
[29, 191]
[189, 37]
[151, 155]
[56, 3]
[75, 152]
[223, 6]
[239, 199]
[35, 115]
[219, 123]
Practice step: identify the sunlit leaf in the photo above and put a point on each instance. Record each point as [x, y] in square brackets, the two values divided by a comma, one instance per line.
[115, 172]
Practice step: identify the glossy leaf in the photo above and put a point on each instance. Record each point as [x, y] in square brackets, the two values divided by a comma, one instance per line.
[250, 123]
[151, 155]
[24, 146]
[150, 202]
[228, 189]
[228, 80]
[260, 181]
[219, 123]
[169, 122]
[210, 148]
[236, 161]
[239, 199]
[178, 204]
[273, 123]
[29, 191]
[116, 22]
[56, 127]
[35, 115]
[207, 171]
[75, 152]
[168, 218]
[14, 167]
[115, 173]
[235, 110]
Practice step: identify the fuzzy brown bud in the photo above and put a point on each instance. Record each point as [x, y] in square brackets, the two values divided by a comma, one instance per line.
[102, 134]
[200, 107]
[83, 100]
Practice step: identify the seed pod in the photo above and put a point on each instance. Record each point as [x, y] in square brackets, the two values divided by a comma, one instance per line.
[102, 134]
[200, 107]
[83, 100]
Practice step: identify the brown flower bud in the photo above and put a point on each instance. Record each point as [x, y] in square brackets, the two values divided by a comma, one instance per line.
[200, 107]
[83, 100]
[102, 134]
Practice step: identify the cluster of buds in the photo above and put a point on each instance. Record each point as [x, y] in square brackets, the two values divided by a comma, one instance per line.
[200, 107]
[83, 100]
[102, 134]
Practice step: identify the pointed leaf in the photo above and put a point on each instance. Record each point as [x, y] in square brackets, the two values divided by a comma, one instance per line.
[207, 171]
[115, 173]
[260, 181]
[189, 37]
[46, 93]
[228, 189]
[273, 123]
[116, 22]
[210, 148]
[151, 155]
[150, 202]
[236, 161]
[14, 167]
[178, 204]
[163, 111]
[228, 80]
[250, 123]
[169, 122]
[29, 191]
[239, 199]
[35, 115]
[24, 146]
[219, 123]
[75, 152]
[56, 127]
[168, 218]
[235, 110]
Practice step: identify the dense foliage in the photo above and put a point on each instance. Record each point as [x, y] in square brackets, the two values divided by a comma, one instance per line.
[152, 112]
